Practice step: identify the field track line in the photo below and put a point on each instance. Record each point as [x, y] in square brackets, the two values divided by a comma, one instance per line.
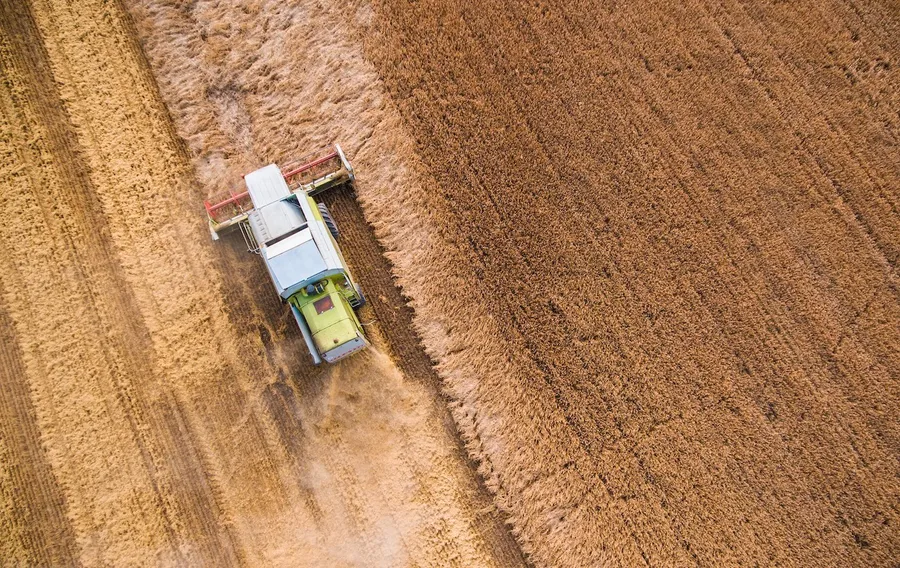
[39, 531]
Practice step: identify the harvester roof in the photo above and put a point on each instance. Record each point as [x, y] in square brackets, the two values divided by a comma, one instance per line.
[294, 260]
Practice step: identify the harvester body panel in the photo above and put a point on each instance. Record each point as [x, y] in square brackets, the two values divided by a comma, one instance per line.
[307, 335]
[332, 324]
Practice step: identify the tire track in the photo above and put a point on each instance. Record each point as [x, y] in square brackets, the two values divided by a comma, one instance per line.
[34, 526]
[393, 319]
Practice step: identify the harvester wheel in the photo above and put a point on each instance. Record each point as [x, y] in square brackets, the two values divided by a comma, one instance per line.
[329, 222]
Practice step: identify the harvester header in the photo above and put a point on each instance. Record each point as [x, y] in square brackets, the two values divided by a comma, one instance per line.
[319, 171]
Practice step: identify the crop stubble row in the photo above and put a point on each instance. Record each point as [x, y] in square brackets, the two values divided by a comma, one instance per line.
[680, 222]
[67, 291]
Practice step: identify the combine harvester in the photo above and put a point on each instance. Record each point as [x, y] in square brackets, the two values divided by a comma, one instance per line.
[297, 240]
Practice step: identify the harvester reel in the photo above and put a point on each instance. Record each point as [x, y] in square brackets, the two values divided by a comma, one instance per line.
[329, 222]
